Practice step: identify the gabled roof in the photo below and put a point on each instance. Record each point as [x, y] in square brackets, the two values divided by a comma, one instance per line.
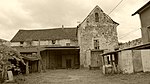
[147, 5]
[45, 34]
[102, 11]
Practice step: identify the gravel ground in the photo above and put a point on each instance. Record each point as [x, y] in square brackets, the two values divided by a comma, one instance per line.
[83, 77]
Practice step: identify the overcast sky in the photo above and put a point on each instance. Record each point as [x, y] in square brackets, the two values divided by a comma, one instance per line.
[42, 14]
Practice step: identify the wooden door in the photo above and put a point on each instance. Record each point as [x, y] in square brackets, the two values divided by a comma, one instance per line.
[68, 63]
[96, 59]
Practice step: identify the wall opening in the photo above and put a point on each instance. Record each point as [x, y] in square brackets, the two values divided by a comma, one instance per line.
[96, 17]
[96, 44]
[53, 41]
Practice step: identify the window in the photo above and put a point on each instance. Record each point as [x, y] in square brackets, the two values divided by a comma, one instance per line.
[67, 44]
[96, 17]
[53, 41]
[21, 43]
[96, 44]
[29, 43]
[108, 60]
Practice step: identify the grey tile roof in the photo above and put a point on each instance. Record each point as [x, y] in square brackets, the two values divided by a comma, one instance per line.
[46, 34]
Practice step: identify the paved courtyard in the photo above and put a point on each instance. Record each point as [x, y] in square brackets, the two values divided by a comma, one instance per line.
[84, 77]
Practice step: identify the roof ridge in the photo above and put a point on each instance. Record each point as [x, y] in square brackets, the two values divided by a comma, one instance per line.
[44, 34]
[46, 29]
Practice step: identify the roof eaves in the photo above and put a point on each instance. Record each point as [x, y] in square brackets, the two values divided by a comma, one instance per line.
[12, 40]
[87, 16]
[142, 8]
[111, 19]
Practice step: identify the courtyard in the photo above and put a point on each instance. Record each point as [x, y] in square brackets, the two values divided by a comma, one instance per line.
[82, 76]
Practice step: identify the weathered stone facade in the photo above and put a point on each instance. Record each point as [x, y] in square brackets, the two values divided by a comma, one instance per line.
[97, 25]
[62, 42]
[95, 35]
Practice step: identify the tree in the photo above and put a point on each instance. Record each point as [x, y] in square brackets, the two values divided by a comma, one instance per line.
[6, 53]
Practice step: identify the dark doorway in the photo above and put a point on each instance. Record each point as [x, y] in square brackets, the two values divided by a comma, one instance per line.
[68, 63]
[61, 58]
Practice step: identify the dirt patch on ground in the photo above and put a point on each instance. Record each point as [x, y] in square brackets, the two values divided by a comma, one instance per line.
[83, 77]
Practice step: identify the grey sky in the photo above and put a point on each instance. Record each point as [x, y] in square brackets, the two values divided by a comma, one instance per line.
[38, 14]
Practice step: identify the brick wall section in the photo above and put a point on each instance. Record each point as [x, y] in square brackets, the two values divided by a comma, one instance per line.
[104, 31]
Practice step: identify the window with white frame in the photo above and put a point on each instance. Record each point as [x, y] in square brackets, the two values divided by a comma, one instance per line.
[108, 59]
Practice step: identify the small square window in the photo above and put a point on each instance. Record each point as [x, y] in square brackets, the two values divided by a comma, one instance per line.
[97, 47]
[29, 43]
[53, 41]
[21, 42]
[67, 44]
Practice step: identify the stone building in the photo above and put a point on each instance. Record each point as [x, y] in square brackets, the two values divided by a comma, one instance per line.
[72, 47]
[134, 56]
[144, 13]
[96, 34]
[58, 47]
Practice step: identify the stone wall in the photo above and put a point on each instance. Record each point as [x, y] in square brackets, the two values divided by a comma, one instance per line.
[145, 54]
[131, 61]
[137, 60]
[132, 43]
[104, 30]
[62, 42]
[125, 62]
